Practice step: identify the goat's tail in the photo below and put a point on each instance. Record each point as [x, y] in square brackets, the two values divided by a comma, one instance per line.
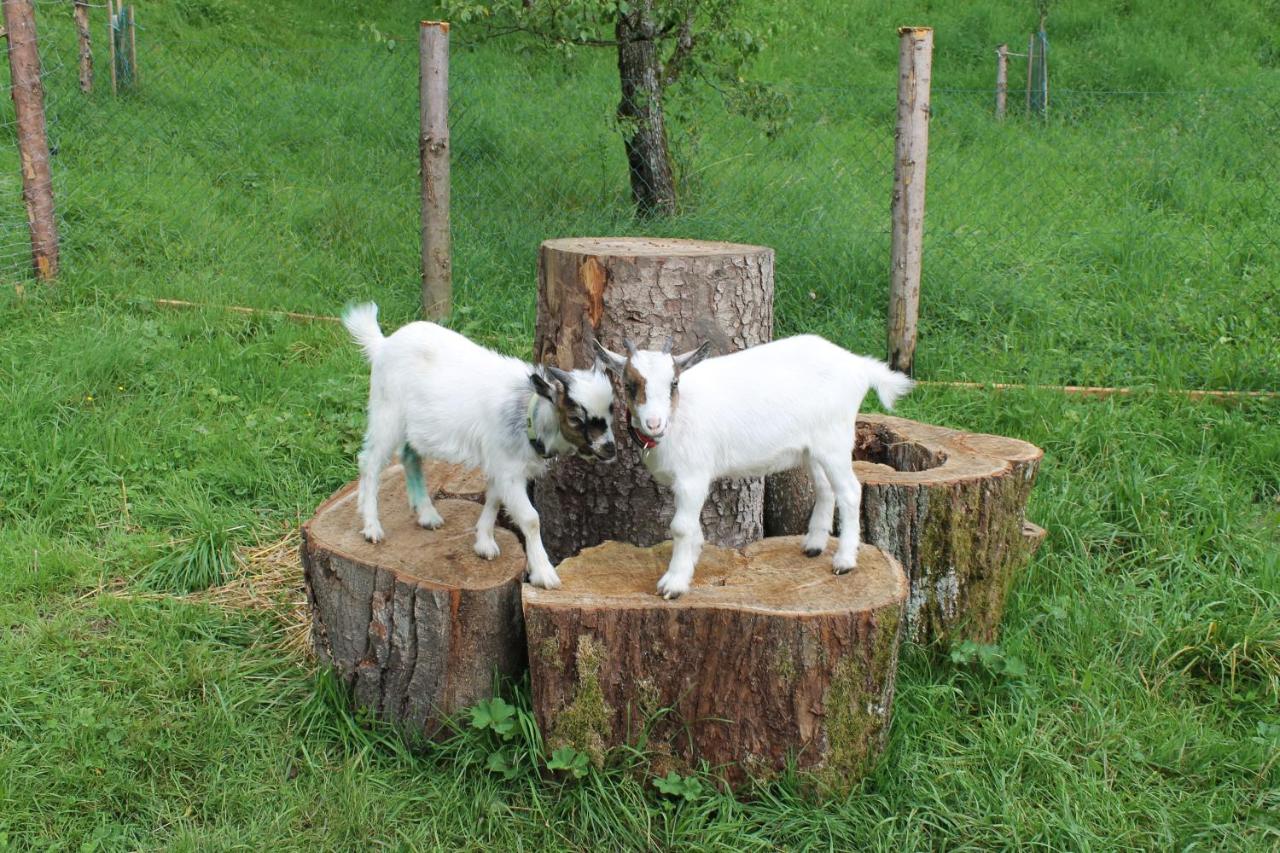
[362, 322]
[889, 383]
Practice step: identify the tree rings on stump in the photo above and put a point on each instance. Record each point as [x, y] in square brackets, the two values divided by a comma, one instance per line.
[950, 505]
[769, 656]
[416, 625]
[645, 289]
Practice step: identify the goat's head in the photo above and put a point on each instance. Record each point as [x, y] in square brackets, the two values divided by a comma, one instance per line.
[651, 385]
[583, 401]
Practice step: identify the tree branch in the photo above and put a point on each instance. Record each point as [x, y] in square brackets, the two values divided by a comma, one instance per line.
[681, 52]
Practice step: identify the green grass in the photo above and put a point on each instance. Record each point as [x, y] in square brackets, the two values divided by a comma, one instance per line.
[1130, 240]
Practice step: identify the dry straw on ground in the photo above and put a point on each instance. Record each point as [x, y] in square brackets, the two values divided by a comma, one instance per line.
[270, 581]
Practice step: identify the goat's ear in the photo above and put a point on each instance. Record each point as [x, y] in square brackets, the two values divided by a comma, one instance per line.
[611, 360]
[545, 386]
[561, 376]
[689, 359]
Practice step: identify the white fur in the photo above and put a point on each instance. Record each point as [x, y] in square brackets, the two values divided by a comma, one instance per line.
[755, 412]
[446, 398]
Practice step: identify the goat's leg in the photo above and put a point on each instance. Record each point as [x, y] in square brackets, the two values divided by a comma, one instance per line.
[379, 443]
[516, 500]
[824, 507]
[486, 546]
[686, 535]
[848, 492]
[415, 485]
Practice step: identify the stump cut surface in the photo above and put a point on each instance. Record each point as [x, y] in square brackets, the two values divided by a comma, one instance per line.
[416, 625]
[949, 504]
[769, 656]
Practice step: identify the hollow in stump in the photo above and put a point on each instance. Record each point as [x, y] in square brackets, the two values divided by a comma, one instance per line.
[950, 505]
[645, 289]
[417, 625]
[770, 656]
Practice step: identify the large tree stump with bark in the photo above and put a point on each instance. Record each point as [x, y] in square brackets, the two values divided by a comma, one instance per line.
[417, 625]
[769, 656]
[644, 289]
[950, 505]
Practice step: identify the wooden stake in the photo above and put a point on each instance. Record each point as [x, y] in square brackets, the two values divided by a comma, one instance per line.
[1031, 59]
[133, 51]
[33, 145]
[81, 14]
[1002, 80]
[915, 60]
[111, 45]
[433, 152]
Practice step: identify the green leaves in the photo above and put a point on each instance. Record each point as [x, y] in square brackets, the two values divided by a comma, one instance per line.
[569, 760]
[989, 657]
[686, 788]
[495, 715]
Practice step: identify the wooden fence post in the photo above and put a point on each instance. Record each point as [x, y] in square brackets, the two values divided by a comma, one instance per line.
[81, 14]
[133, 51]
[1031, 59]
[433, 152]
[915, 58]
[33, 146]
[1002, 80]
[111, 45]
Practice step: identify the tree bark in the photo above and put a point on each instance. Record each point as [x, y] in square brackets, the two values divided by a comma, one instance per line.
[949, 505]
[416, 626]
[33, 144]
[640, 112]
[81, 14]
[433, 158]
[645, 290]
[911, 153]
[770, 656]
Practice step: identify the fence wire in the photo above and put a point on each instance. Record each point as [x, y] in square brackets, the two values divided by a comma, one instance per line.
[289, 179]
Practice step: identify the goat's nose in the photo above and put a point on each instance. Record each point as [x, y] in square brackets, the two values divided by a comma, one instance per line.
[653, 424]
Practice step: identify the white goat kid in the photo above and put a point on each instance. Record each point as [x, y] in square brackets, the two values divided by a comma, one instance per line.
[758, 411]
[434, 394]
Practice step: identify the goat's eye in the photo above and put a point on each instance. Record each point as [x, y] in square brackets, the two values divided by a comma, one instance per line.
[575, 421]
[674, 385]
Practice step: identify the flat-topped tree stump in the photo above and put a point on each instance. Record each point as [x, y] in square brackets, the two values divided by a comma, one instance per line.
[418, 624]
[770, 655]
[950, 505]
[644, 289]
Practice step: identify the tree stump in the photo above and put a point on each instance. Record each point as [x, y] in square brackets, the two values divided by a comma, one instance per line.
[644, 289]
[949, 505]
[769, 656]
[417, 625]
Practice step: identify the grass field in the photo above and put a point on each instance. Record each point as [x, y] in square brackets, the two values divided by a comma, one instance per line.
[269, 161]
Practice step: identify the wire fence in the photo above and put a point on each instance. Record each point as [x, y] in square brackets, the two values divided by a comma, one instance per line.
[289, 179]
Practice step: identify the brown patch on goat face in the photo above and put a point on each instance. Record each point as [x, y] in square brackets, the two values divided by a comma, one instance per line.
[633, 383]
[587, 429]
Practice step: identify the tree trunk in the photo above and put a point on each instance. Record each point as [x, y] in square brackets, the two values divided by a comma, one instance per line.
[417, 625]
[640, 112]
[645, 290]
[81, 15]
[949, 505]
[770, 656]
[33, 145]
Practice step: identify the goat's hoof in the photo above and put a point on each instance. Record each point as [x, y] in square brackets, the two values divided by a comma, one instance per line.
[547, 579]
[670, 588]
[373, 534]
[842, 569]
[813, 552]
[430, 520]
[487, 550]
